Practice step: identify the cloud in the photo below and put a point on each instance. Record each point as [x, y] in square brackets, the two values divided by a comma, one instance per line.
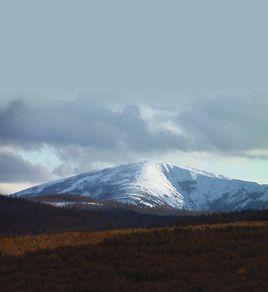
[87, 135]
[85, 124]
[230, 124]
[15, 169]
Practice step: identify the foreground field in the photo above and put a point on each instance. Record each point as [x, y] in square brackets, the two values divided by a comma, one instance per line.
[226, 257]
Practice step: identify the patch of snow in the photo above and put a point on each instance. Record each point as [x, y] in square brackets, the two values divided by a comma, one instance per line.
[156, 184]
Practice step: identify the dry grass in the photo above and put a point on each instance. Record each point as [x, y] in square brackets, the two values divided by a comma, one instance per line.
[15, 246]
[224, 226]
[217, 257]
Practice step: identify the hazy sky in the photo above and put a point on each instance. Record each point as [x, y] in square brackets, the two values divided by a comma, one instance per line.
[89, 84]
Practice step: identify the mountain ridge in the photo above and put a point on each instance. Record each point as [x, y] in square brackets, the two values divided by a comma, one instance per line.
[157, 184]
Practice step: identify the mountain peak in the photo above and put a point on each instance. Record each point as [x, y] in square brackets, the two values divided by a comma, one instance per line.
[168, 166]
[158, 184]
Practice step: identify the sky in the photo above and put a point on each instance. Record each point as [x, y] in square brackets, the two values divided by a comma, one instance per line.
[92, 84]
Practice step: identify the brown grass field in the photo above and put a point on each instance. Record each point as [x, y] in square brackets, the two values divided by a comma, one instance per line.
[216, 257]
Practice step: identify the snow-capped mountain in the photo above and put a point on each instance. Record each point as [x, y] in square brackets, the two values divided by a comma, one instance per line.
[160, 184]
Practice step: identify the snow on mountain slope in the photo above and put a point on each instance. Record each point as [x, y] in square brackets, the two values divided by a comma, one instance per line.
[160, 184]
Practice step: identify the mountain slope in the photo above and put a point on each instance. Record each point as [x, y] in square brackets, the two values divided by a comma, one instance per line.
[160, 184]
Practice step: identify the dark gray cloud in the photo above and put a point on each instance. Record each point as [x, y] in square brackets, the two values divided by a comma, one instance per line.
[86, 135]
[84, 124]
[230, 124]
[15, 169]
